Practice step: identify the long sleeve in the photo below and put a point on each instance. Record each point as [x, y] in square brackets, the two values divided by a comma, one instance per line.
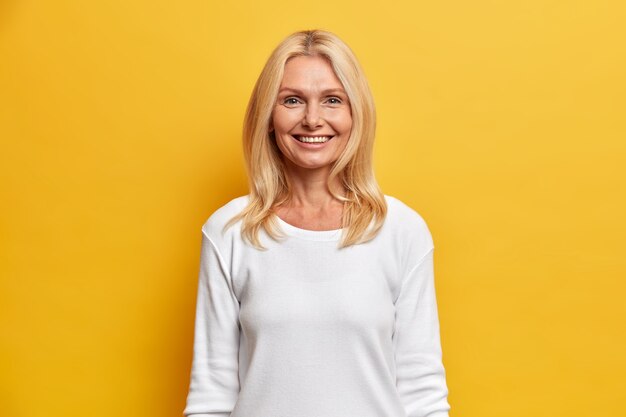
[421, 380]
[214, 382]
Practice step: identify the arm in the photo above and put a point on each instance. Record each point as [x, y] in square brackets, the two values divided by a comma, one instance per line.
[420, 380]
[214, 383]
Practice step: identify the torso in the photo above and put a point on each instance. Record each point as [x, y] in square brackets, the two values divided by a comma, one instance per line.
[306, 328]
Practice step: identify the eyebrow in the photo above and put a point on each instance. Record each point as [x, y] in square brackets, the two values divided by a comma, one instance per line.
[329, 90]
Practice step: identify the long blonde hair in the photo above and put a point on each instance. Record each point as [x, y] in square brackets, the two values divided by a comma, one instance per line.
[365, 207]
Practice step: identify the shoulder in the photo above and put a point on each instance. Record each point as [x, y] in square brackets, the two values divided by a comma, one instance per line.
[213, 227]
[407, 223]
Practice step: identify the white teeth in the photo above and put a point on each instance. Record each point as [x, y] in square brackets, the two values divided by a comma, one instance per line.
[313, 139]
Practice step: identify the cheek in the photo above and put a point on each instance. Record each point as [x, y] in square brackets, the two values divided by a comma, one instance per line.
[276, 119]
[349, 124]
[342, 122]
[284, 120]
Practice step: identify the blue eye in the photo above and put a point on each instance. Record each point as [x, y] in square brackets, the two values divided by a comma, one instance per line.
[337, 101]
[290, 100]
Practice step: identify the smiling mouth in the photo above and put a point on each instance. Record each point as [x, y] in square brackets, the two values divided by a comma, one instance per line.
[312, 139]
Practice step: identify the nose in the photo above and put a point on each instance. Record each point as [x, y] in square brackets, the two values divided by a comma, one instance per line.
[312, 117]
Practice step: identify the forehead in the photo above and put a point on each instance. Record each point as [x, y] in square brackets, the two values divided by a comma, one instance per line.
[309, 73]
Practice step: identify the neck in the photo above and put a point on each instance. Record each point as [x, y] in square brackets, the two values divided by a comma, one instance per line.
[309, 187]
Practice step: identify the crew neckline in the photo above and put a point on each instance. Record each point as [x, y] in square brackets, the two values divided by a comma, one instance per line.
[320, 235]
[328, 235]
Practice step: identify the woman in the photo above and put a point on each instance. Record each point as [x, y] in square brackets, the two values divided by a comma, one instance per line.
[316, 293]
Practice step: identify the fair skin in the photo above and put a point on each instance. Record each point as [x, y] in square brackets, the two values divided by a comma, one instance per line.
[311, 103]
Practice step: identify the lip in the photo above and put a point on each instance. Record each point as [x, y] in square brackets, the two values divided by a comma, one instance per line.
[312, 145]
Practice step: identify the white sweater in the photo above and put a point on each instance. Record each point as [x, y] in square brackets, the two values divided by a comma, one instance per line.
[305, 329]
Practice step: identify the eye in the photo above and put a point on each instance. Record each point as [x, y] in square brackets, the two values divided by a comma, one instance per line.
[334, 100]
[291, 101]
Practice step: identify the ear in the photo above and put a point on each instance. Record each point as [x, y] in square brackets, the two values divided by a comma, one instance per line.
[271, 129]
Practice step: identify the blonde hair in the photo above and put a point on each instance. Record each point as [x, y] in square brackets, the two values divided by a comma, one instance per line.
[365, 207]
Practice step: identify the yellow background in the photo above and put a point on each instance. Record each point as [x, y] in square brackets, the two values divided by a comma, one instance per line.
[501, 122]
